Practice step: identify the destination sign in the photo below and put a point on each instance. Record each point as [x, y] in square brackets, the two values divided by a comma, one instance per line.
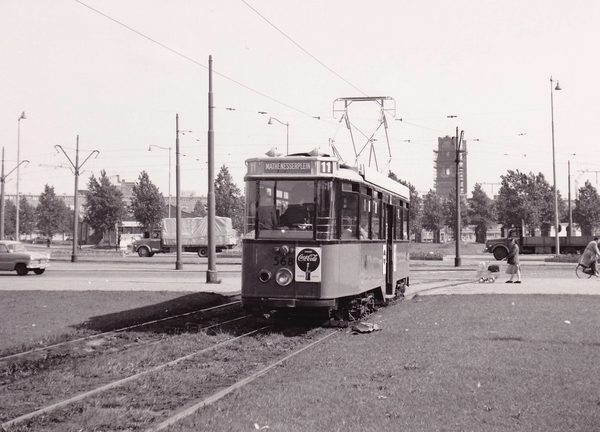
[294, 167]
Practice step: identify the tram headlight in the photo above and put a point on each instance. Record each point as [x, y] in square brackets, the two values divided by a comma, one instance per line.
[284, 277]
[264, 275]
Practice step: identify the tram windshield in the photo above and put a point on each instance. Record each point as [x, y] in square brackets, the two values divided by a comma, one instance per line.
[292, 209]
[286, 209]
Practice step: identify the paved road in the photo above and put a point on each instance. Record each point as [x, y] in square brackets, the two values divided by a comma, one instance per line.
[131, 273]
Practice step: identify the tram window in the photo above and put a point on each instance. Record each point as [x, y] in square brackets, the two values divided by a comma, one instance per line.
[365, 217]
[326, 216]
[398, 213]
[300, 205]
[405, 223]
[349, 215]
[286, 209]
[376, 220]
[250, 209]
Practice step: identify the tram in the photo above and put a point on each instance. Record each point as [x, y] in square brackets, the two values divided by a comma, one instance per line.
[322, 237]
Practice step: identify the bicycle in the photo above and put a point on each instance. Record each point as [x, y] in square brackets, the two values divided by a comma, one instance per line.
[582, 270]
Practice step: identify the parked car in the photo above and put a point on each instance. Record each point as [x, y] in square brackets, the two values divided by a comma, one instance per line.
[15, 257]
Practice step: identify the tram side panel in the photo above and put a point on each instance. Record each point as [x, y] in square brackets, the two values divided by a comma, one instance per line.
[402, 259]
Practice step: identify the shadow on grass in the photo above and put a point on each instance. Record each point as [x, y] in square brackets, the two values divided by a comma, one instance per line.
[180, 305]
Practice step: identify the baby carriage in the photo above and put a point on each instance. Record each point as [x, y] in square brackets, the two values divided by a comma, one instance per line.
[487, 273]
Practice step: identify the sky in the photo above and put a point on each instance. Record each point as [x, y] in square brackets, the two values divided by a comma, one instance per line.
[115, 73]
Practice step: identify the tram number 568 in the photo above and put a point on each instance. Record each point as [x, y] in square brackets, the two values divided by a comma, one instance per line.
[327, 167]
[284, 261]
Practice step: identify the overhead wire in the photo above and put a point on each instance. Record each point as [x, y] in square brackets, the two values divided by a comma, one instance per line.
[305, 51]
[192, 60]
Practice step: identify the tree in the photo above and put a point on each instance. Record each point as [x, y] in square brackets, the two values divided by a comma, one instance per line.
[52, 213]
[587, 209]
[199, 209]
[433, 214]
[450, 211]
[104, 206]
[26, 217]
[229, 201]
[414, 210]
[147, 203]
[481, 212]
[528, 199]
[10, 211]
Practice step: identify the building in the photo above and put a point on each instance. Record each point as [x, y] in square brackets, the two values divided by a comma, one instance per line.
[445, 167]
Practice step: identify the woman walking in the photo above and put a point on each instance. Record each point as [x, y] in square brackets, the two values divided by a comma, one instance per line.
[514, 268]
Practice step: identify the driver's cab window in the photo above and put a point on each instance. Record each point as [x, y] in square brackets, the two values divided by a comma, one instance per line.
[286, 209]
[3, 249]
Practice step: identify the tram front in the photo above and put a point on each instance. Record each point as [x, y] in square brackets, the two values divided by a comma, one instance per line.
[289, 218]
[322, 237]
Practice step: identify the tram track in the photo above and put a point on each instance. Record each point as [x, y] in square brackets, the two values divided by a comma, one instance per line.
[57, 405]
[105, 334]
[183, 384]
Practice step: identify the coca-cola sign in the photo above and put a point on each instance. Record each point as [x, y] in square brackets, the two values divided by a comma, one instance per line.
[308, 259]
[308, 265]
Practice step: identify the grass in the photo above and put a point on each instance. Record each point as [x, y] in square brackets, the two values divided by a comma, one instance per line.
[439, 363]
[448, 363]
[34, 318]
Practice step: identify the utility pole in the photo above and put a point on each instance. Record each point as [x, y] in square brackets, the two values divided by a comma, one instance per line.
[457, 230]
[178, 262]
[570, 209]
[211, 273]
[76, 168]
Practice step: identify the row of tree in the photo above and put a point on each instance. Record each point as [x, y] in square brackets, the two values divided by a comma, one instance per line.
[105, 207]
[523, 200]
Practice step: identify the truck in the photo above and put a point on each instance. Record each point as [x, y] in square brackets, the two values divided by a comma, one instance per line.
[194, 237]
[573, 245]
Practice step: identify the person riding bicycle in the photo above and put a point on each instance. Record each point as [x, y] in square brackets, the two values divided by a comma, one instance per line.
[590, 256]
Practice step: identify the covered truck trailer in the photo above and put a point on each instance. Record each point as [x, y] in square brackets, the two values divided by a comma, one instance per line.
[194, 237]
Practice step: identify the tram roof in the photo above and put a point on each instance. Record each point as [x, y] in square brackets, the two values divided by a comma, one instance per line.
[321, 165]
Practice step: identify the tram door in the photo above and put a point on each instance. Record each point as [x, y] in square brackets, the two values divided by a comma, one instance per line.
[390, 220]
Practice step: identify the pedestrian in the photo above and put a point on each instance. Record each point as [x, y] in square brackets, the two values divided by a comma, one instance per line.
[590, 256]
[514, 268]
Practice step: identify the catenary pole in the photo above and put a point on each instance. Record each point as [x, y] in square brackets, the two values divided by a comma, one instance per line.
[457, 229]
[178, 262]
[211, 273]
[76, 169]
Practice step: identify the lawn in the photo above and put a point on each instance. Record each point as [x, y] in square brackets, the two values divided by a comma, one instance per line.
[447, 363]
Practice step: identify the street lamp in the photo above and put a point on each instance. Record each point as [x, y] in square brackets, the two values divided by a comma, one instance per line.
[287, 125]
[557, 242]
[165, 148]
[18, 175]
[2, 181]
